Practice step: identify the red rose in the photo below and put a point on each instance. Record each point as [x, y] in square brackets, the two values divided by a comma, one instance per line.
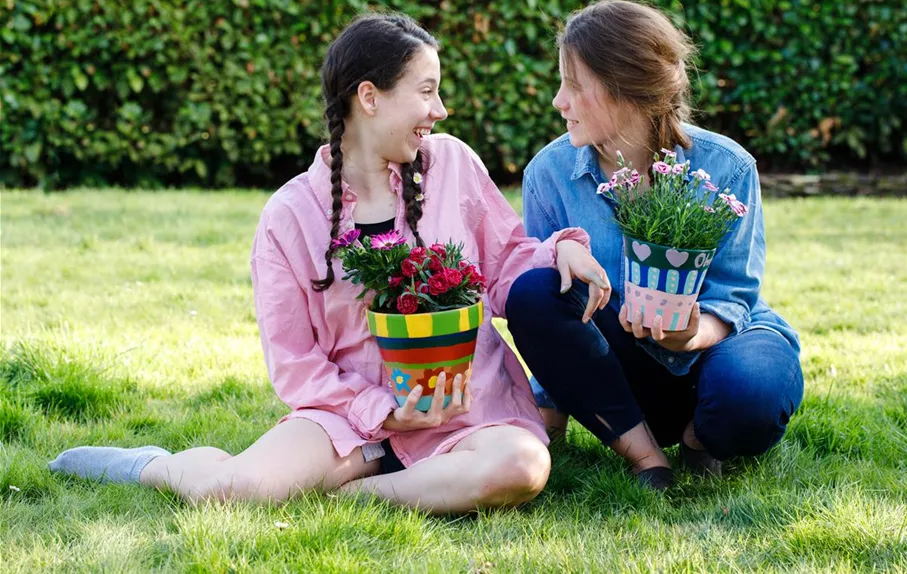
[437, 285]
[407, 303]
[418, 254]
[439, 250]
[435, 265]
[464, 264]
[470, 272]
[408, 268]
[394, 282]
[453, 277]
[480, 281]
[422, 288]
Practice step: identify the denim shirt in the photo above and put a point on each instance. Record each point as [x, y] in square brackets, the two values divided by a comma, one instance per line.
[559, 190]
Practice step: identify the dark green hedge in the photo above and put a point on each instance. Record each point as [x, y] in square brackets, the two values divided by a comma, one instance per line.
[220, 93]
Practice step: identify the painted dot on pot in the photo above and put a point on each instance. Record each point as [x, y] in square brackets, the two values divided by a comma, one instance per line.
[664, 302]
[649, 297]
[680, 303]
[637, 293]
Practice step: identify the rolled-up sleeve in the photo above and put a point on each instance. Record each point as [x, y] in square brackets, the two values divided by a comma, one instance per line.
[507, 251]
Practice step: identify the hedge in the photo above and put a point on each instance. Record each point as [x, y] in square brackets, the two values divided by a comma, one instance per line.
[222, 93]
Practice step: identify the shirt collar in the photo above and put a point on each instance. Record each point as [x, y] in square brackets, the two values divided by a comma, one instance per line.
[586, 162]
[319, 175]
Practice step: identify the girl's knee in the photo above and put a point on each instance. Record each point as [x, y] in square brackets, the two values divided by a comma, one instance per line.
[517, 474]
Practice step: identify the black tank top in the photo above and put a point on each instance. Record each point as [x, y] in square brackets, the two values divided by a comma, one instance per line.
[375, 228]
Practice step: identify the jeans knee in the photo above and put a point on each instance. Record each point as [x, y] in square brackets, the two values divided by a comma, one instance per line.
[530, 292]
[742, 424]
[747, 396]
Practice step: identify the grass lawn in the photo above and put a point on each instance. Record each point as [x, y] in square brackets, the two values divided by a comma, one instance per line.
[127, 319]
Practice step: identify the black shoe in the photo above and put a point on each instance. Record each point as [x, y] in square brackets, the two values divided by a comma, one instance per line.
[656, 478]
[700, 462]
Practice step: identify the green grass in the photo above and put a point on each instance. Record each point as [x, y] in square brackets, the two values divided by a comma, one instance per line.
[127, 319]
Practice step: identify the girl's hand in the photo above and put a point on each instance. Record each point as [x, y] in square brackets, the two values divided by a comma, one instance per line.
[575, 261]
[671, 340]
[407, 418]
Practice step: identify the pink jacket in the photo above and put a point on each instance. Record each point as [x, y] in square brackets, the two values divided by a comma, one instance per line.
[320, 356]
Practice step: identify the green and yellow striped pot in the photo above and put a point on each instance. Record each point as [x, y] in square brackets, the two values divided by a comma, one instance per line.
[417, 348]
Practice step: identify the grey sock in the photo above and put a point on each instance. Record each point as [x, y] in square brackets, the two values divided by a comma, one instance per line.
[106, 463]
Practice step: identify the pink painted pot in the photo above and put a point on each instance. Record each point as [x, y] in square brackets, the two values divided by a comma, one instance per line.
[663, 281]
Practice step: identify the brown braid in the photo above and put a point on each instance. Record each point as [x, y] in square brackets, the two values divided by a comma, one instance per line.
[410, 190]
[334, 114]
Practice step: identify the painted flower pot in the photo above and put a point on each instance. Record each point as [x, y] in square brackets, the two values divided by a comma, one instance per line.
[417, 348]
[663, 281]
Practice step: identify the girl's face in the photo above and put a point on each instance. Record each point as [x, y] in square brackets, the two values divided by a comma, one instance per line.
[592, 115]
[407, 113]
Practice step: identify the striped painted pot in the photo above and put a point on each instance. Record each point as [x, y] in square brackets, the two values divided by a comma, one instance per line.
[663, 281]
[416, 348]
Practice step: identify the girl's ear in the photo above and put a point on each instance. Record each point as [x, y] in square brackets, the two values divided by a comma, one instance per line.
[367, 95]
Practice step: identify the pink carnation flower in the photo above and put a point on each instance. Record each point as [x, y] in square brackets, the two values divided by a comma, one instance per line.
[737, 206]
[661, 167]
[604, 188]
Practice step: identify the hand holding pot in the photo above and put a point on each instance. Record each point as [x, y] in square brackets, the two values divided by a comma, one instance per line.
[407, 418]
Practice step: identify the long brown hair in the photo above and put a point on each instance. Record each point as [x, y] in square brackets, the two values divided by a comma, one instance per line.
[374, 48]
[640, 57]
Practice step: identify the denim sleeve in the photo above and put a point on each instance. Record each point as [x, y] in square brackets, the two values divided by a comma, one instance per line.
[536, 219]
[731, 288]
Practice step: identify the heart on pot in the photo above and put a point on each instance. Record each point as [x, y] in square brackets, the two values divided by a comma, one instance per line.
[641, 251]
[676, 258]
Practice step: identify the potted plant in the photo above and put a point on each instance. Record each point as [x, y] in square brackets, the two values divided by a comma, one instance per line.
[671, 232]
[425, 312]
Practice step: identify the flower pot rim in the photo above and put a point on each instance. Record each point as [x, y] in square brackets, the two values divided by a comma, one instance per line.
[663, 246]
[441, 313]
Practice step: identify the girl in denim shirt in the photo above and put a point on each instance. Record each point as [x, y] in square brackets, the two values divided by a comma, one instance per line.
[729, 383]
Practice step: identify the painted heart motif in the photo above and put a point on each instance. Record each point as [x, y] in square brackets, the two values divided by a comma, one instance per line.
[676, 258]
[641, 251]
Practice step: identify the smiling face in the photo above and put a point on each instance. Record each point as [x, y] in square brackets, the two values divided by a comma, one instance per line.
[592, 115]
[407, 113]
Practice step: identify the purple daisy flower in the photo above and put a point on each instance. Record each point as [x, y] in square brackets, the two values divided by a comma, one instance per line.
[389, 240]
[346, 239]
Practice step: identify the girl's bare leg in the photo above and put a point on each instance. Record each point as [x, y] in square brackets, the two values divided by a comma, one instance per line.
[494, 466]
[295, 455]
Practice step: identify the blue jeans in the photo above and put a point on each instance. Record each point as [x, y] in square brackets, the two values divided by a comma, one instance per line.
[739, 394]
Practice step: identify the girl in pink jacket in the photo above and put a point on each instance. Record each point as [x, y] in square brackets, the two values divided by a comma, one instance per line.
[381, 171]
